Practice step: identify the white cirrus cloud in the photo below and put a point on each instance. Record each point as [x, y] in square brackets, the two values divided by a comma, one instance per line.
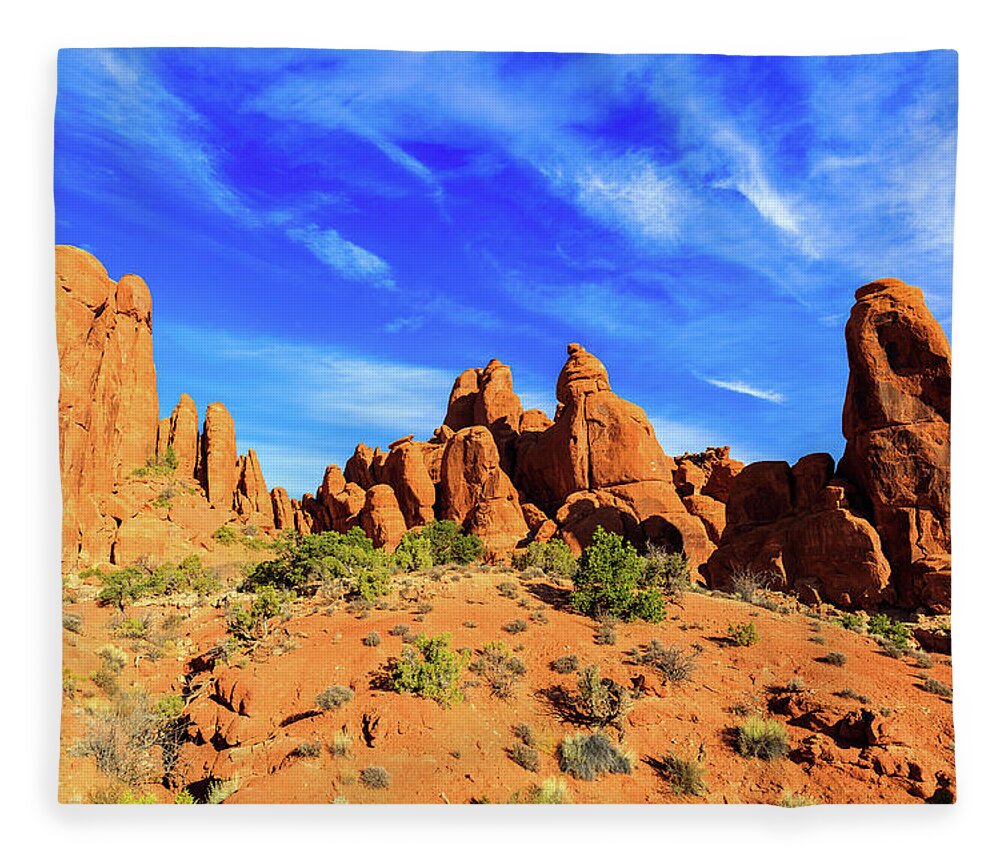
[745, 388]
[350, 261]
[633, 193]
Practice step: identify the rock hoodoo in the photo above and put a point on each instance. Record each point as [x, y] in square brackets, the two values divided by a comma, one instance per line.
[180, 432]
[599, 463]
[218, 456]
[108, 408]
[897, 422]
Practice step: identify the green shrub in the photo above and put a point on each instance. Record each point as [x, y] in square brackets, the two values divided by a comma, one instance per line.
[304, 560]
[414, 552]
[850, 693]
[664, 570]
[852, 621]
[220, 790]
[762, 738]
[790, 800]
[835, 658]
[553, 558]
[340, 746]
[225, 535]
[606, 633]
[183, 797]
[430, 670]
[372, 640]
[743, 635]
[116, 795]
[129, 584]
[333, 697]
[448, 544]
[602, 701]
[748, 584]
[72, 622]
[158, 466]
[588, 756]
[251, 623]
[938, 688]
[507, 589]
[123, 739]
[524, 733]
[308, 749]
[606, 582]
[518, 625]
[499, 669]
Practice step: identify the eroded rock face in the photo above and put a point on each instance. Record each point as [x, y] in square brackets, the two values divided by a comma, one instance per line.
[218, 456]
[599, 463]
[108, 408]
[346, 508]
[484, 396]
[358, 469]
[462, 402]
[780, 522]
[281, 504]
[406, 472]
[252, 496]
[897, 422]
[180, 431]
[476, 492]
[381, 517]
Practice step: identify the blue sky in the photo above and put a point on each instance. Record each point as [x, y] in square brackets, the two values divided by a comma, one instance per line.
[332, 236]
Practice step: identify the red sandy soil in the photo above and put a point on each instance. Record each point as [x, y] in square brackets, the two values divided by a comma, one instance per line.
[460, 754]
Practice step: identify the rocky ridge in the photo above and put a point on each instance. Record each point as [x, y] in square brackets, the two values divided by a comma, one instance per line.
[873, 530]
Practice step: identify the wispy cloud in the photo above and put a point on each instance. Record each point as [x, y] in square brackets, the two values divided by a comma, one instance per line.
[750, 178]
[403, 324]
[351, 262]
[326, 385]
[117, 100]
[631, 192]
[746, 388]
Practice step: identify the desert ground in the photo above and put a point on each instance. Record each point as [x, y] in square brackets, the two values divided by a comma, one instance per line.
[251, 724]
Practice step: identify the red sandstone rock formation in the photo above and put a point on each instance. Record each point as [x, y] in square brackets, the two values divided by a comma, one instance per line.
[406, 472]
[180, 431]
[476, 492]
[793, 526]
[381, 517]
[715, 464]
[252, 496]
[108, 408]
[599, 463]
[358, 469]
[284, 513]
[507, 473]
[218, 456]
[897, 422]
[347, 507]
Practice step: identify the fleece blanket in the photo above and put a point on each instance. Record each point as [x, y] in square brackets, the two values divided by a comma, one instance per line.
[504, 428]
